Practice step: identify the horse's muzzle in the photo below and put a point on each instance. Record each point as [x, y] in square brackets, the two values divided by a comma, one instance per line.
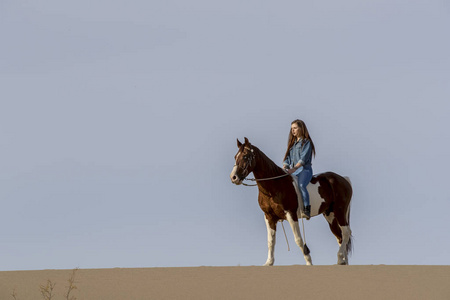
[236, 180]
[234, 177]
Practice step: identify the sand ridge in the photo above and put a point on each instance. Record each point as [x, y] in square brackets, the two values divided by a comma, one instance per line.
[277, 282]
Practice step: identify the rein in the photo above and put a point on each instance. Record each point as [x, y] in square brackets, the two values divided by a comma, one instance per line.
[263, 179]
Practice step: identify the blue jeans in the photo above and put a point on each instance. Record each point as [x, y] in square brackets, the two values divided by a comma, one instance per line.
[303, 178]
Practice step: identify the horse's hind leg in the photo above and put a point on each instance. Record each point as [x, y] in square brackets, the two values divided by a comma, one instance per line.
[342, 234]
[334, 227]
[271, 235]
[343, 247]
[340, 221]
[298, 238]
[346, 235]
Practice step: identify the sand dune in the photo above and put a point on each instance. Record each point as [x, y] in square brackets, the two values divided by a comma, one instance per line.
[278, 282]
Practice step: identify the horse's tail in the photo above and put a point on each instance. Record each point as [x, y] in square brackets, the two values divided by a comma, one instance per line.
[349, 244]
[350, 239]
[350, 200]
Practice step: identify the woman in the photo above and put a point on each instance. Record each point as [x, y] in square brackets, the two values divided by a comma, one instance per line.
[297, 159]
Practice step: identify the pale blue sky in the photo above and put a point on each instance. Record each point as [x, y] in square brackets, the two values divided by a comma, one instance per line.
[119, 119]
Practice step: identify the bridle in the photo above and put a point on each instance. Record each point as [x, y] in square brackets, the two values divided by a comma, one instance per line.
[249, 160]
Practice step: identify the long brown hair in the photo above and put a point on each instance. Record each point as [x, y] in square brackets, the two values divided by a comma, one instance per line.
[304, 134]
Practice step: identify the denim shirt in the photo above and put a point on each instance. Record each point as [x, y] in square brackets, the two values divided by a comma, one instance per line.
[299, 154]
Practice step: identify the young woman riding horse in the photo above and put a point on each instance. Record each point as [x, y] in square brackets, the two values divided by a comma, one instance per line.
[297, 160]
[279, 199]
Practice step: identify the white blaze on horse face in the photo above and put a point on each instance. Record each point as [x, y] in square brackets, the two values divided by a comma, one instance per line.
[237, 155]
[234, 178]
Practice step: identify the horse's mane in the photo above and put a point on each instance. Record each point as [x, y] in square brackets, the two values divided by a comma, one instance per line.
[270, 167]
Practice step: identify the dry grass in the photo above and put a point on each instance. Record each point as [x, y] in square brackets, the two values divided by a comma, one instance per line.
[71, 286]
[14, 295]
[48, 290]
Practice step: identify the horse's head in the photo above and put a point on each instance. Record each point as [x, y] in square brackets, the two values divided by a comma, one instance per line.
[245, 162]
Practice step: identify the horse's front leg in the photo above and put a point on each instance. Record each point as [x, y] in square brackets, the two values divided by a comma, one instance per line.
[271, 235]
[298, 238]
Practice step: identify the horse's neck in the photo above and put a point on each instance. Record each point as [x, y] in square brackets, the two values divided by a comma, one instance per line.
[265, 167]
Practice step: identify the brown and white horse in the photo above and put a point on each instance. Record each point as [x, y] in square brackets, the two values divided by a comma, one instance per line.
[279, 199]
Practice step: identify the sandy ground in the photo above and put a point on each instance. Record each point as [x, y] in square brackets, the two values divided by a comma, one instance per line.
[279, 282]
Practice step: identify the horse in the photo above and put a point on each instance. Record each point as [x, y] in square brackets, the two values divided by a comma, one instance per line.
[279, 199]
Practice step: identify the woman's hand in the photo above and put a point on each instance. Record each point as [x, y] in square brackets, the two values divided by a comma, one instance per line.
[290, 171]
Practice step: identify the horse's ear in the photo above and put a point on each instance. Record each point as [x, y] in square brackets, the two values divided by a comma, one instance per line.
[239, 144]
[247, 142]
